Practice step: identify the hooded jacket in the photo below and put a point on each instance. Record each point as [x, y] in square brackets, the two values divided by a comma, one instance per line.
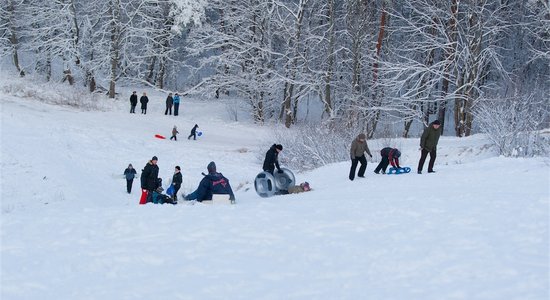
[149, 176]
[271, 158]
[358, 148]
[430, 138]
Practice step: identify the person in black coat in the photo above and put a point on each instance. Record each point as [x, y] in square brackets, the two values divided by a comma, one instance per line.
[149, 177]
[176, 182]
[130, 174]
[213, 183]
[169, 104]
[144, 100]
[193, 132]
[133, 102]
[272, 159]
[389, 155]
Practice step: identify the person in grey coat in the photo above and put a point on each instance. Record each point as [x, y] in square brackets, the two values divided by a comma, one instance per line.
[169, 103]
[428, 144]
[357, 155]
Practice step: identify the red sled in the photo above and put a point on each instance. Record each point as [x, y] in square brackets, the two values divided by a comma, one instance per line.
[158, 136]
[143, 199]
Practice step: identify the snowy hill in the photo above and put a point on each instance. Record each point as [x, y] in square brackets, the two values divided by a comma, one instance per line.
[477, 229]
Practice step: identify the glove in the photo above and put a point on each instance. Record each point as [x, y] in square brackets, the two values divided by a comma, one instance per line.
[280, 171]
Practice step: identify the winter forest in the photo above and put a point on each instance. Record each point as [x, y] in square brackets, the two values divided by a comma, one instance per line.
[380, 66]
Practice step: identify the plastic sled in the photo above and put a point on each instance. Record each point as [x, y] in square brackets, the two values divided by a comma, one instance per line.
[143, 199]
[397, 171]
[170, 191]
[158, 136]
[199, 133]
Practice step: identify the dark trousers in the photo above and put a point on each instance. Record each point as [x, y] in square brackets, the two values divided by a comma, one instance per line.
[176, 108]
[133, 109]
[423, 159]
[362, 169]
[383, 165]
[168, 109]
[194, 135]
[176, 189]
[144, 110]
[174, 137]
[129, 185]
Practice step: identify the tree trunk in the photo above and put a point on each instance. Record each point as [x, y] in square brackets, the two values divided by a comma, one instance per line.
[13, 37]
[330, 58]
[114, 52]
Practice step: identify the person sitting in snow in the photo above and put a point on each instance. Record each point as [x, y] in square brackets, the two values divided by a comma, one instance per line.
[174, 132]
[296, 189]
[389, 156]
[193, 132]
[212, 183]
[130, 174]
[272, 159]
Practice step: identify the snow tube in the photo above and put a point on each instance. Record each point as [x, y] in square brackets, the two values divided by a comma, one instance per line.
[396, 171]
[199, 133]
[267, 185]
[158, 136]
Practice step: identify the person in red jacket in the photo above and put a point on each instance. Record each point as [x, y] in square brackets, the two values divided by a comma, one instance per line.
[389, 156]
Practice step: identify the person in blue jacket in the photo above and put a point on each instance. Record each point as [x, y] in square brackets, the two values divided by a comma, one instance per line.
[212, 183]
[176, 104]
[130, 174]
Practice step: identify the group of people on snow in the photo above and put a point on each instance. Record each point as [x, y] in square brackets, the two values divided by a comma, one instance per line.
[171, 101]
[193, 133]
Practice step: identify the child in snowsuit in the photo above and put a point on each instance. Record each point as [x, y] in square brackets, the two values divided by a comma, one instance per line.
[296, 189]
[389, 156]
[193, 132]
[174, 132]
[176, 104]
[130, 174]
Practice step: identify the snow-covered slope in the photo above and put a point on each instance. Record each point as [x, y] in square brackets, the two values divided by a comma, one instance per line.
[477, 229]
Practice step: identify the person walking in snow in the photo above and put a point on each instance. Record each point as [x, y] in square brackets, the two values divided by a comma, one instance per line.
[133, 102]
[169, 103]
[144, 100]
[176, 104]
[271, 160]
[193, 132]
[174, 132]
[130, 174]
[428, 144]
[149, 178]
[212, 183]
[357, 154]
[389, 156]
[176, 182]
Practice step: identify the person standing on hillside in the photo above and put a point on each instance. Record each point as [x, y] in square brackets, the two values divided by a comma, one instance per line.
[130, 174]
[149, 180]
[133, 102]
[174, 132]
[272, 159]
[144, 100]
[389, 155]
[176, 104]
[193, 132]
[428, 144]
[357, 154]
[176, 182]
[169, 103]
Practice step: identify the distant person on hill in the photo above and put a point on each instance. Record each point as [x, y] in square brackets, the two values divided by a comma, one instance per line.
[176, 104]
[149, 178]
[174, 132]
[357, 155]
[193, 132]
[212, 183]
[428, 144]
[133, 102]
[130, 174]
[144, 100]
[389, 156]
[176, 182]
[271, 160]
[169, 103]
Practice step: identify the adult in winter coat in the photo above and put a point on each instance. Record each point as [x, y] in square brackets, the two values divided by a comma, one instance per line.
[174, 132]
[428, 144]
[176, 104]
[213, 183]
[133, 102]
[149, 177]
[193, 132]
[357, 154]
[130, 174]
[144, 100]
[389, 156]
[177, 181]
[272, 159]
[169, 103]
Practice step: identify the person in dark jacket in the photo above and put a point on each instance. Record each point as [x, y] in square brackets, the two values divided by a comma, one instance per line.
[271, 160]
[357, 154]
[130, 174]
[428, 144]
[176, 182]
[144, 100]
[176, 104]
[133, 102]
[389, 156]
[212, 183]
[149, 177]
[193, 132]
[169, 103]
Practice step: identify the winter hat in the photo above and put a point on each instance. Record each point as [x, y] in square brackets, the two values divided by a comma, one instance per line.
[397, 153]
[436, 122]
[154, 158]
[279, 147]
[178, 168]
[362, 136]
[211, 167]
[305, 186]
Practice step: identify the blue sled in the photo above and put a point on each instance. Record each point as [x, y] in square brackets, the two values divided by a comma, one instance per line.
[396, 171]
